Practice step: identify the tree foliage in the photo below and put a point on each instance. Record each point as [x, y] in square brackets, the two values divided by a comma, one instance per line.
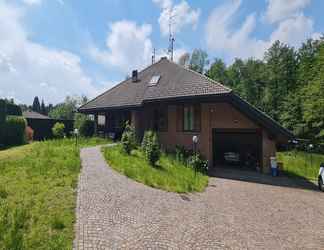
[287, 84]
[36, 105]
[198, 60]
[67, 110]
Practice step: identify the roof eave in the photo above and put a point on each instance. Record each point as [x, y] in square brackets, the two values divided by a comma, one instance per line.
[256, 114]
[102, 109]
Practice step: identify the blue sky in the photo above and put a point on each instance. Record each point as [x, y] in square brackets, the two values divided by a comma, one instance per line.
[54, 48]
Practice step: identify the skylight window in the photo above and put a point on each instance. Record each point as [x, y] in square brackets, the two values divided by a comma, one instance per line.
[154, 80]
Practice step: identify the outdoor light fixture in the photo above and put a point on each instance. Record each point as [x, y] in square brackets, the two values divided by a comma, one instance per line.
[76, 133]
[195, 139]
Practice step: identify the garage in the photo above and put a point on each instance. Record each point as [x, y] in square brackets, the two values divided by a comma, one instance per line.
[238, 148]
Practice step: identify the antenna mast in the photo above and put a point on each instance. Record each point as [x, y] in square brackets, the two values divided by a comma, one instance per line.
[153, 56]
[171, 38]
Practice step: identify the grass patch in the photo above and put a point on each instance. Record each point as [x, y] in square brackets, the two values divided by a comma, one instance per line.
[169, 175]
[38, 194]
[301, 164]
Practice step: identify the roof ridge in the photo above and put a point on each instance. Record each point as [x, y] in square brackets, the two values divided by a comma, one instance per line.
[201, 75]
[108, 90]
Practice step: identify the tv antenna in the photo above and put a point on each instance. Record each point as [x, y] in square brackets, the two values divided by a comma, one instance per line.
[171, 38]
[153, 56]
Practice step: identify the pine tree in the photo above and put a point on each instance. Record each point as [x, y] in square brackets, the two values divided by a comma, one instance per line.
[36, 105]
[43, 108]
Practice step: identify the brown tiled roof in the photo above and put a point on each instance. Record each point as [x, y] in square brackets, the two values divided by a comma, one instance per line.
[34, 115]
[175, 82]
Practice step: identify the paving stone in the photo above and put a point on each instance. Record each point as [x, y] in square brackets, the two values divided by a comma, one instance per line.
[114, 212]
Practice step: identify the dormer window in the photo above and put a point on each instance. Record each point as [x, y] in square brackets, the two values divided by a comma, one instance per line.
[154, 80]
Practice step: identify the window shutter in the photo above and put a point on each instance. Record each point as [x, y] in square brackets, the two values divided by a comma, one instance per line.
[197, 117]
[179, 118]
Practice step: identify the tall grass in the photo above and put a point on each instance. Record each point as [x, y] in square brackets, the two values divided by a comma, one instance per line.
[38, 194]
[169, 174]
[301, 164]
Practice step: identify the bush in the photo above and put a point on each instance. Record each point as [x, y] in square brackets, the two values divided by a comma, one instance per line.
[29, 134]
[3, 111]
[197, 162]
[14, 131]
[151, 147]
[146, 138]
[2, 120]
[86, 127]
[182, 154]
[58, 130]
[13, 109]
[128, 139]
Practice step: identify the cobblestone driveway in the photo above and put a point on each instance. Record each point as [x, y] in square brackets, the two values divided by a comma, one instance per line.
[114, 212]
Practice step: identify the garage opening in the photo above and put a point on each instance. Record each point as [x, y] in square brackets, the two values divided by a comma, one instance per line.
[237, 148]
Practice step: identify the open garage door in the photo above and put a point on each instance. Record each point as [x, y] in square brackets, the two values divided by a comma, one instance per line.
[241, 148]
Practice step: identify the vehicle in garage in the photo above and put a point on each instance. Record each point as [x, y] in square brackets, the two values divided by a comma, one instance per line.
[321, 178]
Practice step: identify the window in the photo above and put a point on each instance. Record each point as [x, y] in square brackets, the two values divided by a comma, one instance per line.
[188, 118]
[154, 80]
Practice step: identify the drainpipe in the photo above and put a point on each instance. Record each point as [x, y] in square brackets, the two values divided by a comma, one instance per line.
[96, 124]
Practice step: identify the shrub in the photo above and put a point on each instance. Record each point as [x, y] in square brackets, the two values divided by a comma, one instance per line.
[13, 109]
[58, 130]
[14, 131]
[147, 136]
[151, 147]
[128, 139]
[86, 127]
[29, 134]
[182, 154]
[197, 162]
[2, 120]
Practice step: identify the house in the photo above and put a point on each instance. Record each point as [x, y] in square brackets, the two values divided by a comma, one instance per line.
[42, 125]
[179, 103]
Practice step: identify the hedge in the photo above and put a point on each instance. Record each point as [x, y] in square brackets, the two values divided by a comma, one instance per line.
[43, 127]
[14, 131]
[2, 121]
[13, 109]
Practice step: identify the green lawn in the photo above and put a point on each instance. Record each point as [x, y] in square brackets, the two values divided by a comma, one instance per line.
[38, 194]
[169, 175]
[301, 164]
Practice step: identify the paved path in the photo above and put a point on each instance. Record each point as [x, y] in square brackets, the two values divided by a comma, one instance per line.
[114, 212]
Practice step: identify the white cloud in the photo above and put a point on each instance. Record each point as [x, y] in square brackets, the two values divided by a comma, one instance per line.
[278, 10]
[294, 30]
[221, 37]
[236, 43]
[29, 69]
[38, 2]
[128, 47]
[182, 15]
[32, 2]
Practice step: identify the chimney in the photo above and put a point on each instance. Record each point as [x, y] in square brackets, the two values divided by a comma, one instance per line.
[134, 76]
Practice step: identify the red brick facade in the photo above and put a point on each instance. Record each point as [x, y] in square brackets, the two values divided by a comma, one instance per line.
[212, 116]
